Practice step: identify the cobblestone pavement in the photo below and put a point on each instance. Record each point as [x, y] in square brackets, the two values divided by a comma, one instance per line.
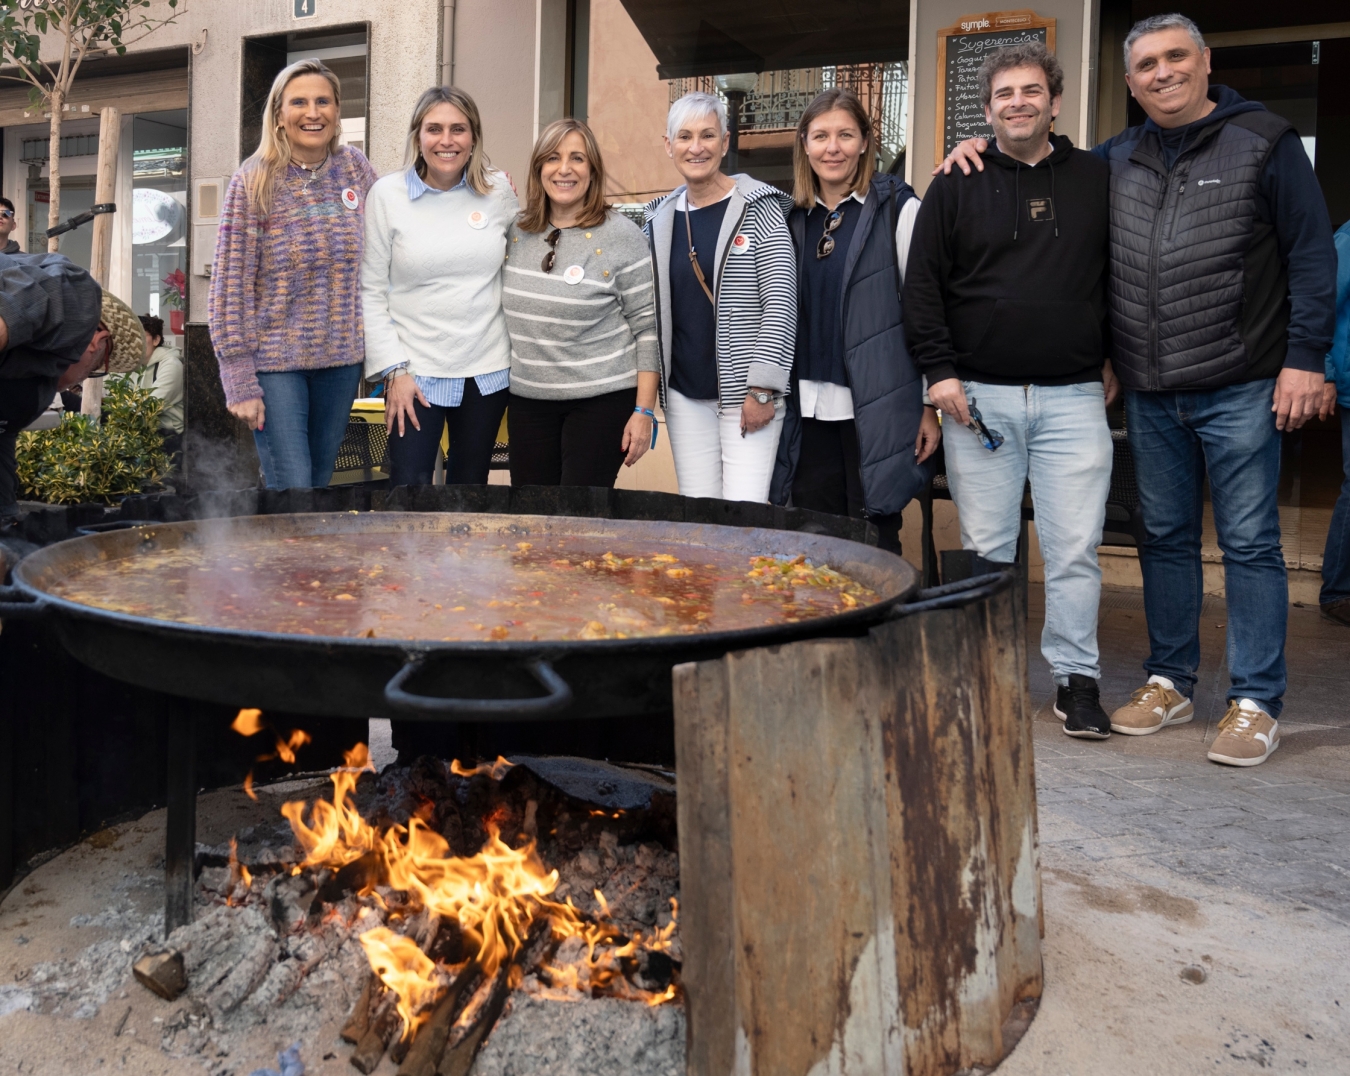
[1279, 830]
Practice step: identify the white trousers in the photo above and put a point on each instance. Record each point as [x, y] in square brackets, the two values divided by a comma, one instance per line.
[712, 459]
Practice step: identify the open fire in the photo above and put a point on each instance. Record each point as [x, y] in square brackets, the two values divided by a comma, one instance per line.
[463, 892]
[498, 902]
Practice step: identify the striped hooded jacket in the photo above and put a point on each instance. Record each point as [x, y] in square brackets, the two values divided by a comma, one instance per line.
[754, 282]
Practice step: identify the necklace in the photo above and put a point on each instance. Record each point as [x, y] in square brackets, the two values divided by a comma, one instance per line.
[313, 169]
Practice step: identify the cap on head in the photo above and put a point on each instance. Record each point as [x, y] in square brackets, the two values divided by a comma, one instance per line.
[128, 336]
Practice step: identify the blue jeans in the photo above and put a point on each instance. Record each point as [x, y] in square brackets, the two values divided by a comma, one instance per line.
[1175, 438]
[1336, 559]
[305, 417]
[1057, 436]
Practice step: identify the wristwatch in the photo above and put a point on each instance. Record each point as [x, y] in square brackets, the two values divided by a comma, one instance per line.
[759, 396]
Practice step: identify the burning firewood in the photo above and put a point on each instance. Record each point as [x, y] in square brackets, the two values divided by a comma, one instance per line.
[430, 1043]
[359, 1022]
[474, 1024]
[383, 1027]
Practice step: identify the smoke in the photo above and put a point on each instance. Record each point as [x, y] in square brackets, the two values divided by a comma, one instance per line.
[213, 464]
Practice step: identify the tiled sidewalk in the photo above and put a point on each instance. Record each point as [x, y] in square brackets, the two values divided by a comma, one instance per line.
[1280, 830]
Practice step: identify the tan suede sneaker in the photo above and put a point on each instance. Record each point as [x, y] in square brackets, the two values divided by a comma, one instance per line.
[1151, 707]
[1247, 735]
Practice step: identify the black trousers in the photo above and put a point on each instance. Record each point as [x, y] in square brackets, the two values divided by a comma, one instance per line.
[473, 432]
[568, 442]
[829, 476]
[22, 399]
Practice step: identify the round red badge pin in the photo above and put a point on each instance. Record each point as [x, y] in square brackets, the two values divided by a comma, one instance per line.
[740, 244]
[350, 198]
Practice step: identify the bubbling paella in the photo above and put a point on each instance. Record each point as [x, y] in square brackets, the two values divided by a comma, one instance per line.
[458, 588]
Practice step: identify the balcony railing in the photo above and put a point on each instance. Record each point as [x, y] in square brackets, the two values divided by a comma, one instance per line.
[780, 97]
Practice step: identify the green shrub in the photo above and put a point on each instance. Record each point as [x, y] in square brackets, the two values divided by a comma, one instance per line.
[83, 460]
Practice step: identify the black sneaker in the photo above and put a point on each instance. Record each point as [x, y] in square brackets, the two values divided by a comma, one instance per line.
[1079, 707]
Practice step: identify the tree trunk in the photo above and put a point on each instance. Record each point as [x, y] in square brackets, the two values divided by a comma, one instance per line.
[58, 103]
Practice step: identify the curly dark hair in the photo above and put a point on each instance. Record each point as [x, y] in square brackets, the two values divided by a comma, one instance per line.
[153, 325]
[1027, 54]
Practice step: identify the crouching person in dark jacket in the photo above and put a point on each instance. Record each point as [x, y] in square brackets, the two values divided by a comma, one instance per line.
[1005, 305]
[856, 436]
[50, 338]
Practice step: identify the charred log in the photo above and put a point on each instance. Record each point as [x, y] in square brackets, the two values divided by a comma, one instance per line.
[359, 1022]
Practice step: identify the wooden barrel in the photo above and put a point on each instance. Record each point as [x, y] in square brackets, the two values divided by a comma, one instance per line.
[858, 856]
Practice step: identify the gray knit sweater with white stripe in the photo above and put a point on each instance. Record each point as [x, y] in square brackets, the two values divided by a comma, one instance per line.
[587, 327]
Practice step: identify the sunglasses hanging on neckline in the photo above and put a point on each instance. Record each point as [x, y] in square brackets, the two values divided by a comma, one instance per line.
[551, 258]
[825, 247]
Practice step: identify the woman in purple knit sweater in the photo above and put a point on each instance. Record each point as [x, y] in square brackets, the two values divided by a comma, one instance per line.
[285, 308]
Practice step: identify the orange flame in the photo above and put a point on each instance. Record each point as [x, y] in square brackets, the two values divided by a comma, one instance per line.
[297, 739]
[407, 971]
[495, 770]
[248, 722]
[494, 896]
[248, 787]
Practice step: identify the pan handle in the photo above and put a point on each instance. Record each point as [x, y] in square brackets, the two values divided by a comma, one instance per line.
[558, 698]
[16, 604]
[952, 595]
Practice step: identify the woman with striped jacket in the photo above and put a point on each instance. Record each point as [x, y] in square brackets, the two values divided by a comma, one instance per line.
[726, 297]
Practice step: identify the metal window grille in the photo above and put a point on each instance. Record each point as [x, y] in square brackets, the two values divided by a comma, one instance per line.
[780, 97]
[33, 150]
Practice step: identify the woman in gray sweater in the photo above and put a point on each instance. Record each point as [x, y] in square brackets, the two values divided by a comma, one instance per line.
[577, 293]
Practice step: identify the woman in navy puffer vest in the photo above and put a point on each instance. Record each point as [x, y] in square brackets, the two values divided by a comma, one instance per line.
[857, 436]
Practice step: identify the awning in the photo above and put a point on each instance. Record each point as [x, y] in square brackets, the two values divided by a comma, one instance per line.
[721, 37]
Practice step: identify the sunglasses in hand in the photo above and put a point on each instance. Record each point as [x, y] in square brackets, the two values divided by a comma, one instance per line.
[991, 439]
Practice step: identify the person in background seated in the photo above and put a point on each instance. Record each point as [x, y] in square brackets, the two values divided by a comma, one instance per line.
[163, 376]
[578, 302]
[726, 287]
[1335, 596]
[1005, 307]
[431, 289]
[7, 223]
[285, 303]
[50, 336]
[857, 432]
[1223, 277]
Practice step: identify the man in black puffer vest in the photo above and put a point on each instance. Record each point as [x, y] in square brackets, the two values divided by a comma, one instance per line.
[1005, 310]
[1223, 276]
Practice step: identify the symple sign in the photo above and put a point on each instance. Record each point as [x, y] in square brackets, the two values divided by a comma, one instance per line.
[962, 47]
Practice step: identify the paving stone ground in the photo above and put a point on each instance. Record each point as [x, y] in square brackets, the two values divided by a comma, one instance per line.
[1197, 916]
[1281, 829]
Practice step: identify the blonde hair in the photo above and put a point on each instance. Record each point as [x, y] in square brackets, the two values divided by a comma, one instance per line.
[476, 171]
[273, 155]
[805, 186]
[534, 218]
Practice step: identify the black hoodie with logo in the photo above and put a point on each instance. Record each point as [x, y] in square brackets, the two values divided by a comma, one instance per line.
[1006, 280]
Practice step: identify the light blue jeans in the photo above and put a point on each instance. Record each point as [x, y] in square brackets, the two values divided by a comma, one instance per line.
[304, 420]
[1057, 436]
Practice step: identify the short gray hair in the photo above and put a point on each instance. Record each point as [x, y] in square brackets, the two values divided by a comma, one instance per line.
[1154, 23]
[1024, 54]
[693, 106]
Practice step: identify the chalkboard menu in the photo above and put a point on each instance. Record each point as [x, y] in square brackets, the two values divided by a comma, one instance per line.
[962, 47]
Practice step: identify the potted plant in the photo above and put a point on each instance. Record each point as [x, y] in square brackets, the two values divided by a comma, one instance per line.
[175, 284]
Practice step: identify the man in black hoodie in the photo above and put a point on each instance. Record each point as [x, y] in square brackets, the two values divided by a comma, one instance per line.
[1223, 298]
[1005, 311]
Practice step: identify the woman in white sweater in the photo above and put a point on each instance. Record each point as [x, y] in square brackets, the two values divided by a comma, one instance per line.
[431, 287]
